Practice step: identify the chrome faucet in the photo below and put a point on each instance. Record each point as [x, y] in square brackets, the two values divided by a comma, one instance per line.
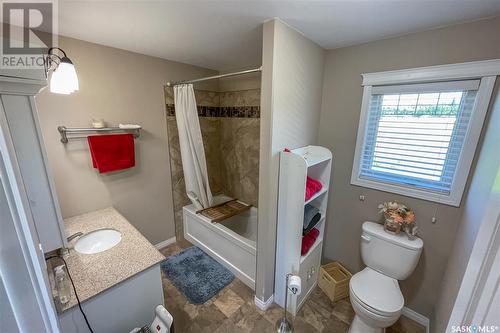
[76, 234]
[64, 251]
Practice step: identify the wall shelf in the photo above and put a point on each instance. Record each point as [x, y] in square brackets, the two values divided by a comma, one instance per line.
[295, 167]
[313, 155]
[317, 195]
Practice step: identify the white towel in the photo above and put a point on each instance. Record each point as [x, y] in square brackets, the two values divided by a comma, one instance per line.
[129, 126]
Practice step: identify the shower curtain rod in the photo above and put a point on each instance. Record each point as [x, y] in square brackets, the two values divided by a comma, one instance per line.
[248, 71]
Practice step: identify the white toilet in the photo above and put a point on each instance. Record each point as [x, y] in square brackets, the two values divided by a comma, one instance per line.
[374, 292]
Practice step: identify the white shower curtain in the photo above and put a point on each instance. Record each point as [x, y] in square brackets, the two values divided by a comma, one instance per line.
[191, 142]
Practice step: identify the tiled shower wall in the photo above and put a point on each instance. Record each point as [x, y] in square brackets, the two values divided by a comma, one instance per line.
[230, 126]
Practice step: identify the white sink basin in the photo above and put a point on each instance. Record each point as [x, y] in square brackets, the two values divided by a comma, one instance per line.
[98, 241]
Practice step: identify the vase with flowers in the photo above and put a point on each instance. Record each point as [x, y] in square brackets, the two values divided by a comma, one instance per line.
[398, 217]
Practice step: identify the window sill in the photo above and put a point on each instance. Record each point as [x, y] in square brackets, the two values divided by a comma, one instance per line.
[451, 200]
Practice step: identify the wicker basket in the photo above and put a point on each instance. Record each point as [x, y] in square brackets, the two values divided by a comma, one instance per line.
[334, 281]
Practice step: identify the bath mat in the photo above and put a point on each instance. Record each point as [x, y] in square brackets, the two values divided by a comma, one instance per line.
[196, 274]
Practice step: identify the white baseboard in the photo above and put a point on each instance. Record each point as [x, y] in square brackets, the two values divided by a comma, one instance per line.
[165, 243]
[263, 305]
[417, 317]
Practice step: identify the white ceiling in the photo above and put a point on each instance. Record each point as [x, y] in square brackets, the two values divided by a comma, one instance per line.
[226, 35]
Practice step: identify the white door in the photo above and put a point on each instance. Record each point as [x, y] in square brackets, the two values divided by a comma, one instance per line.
[487, 311]
[478, 300]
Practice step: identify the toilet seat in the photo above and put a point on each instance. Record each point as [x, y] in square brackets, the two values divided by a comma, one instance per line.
[376, 293]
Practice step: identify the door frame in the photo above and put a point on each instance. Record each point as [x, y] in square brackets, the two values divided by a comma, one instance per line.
[25, 237]
[478, 289]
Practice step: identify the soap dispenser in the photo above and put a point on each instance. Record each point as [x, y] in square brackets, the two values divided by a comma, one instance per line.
[62, 284]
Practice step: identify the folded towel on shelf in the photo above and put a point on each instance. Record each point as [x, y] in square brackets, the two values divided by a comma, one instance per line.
[112, 152]
[129, 126]
[311, 217]
[312, 187]
[313, 223]
[308, 241]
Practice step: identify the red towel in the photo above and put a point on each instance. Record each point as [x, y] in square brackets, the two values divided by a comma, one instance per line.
[312, 187]
[308, 241]
[112, 152]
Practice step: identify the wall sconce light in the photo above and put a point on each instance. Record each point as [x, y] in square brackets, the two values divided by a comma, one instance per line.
[64, 79]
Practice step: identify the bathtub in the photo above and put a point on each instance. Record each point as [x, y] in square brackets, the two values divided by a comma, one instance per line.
[231, 242]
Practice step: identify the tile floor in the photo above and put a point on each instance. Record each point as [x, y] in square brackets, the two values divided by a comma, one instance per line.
[233, 311]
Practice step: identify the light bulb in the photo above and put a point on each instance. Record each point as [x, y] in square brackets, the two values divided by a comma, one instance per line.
[64, 79]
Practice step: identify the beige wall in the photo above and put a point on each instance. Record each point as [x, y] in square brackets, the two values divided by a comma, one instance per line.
[243, 82]
[292, 78]
[118, 86]
[342, 94]
[474, 209]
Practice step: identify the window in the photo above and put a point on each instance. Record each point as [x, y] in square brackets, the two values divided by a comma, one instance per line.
[419, 139]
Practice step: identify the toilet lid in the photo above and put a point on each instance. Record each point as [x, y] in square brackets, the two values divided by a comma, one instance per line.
[377, 291]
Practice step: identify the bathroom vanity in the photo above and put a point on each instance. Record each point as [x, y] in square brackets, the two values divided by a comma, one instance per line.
[119, 288]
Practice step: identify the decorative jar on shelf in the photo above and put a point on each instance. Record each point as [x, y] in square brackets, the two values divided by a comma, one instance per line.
[398, 217]
[391, 226]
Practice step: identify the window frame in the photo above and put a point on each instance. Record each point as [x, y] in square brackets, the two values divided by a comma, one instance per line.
[485, 71]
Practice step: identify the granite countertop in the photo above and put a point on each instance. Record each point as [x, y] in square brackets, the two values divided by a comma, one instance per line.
[94, 273]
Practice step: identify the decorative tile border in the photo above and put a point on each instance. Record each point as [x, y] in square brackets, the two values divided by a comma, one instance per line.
[222, 111]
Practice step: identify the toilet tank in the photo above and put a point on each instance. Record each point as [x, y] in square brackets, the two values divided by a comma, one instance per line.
[392, 255]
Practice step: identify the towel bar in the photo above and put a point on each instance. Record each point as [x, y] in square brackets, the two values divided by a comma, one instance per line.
[64, 131]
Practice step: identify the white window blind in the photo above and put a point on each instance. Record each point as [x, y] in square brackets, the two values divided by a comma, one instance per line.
[415, 134]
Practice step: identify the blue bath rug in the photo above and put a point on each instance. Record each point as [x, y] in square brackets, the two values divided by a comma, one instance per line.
[196, 274]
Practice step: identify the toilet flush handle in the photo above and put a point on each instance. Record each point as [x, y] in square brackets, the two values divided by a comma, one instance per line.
[366, 238]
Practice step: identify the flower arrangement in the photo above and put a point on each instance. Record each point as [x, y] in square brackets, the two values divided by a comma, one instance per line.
[398, 216]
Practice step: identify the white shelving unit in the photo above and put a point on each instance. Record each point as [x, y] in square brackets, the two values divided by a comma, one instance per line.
[295, 166]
